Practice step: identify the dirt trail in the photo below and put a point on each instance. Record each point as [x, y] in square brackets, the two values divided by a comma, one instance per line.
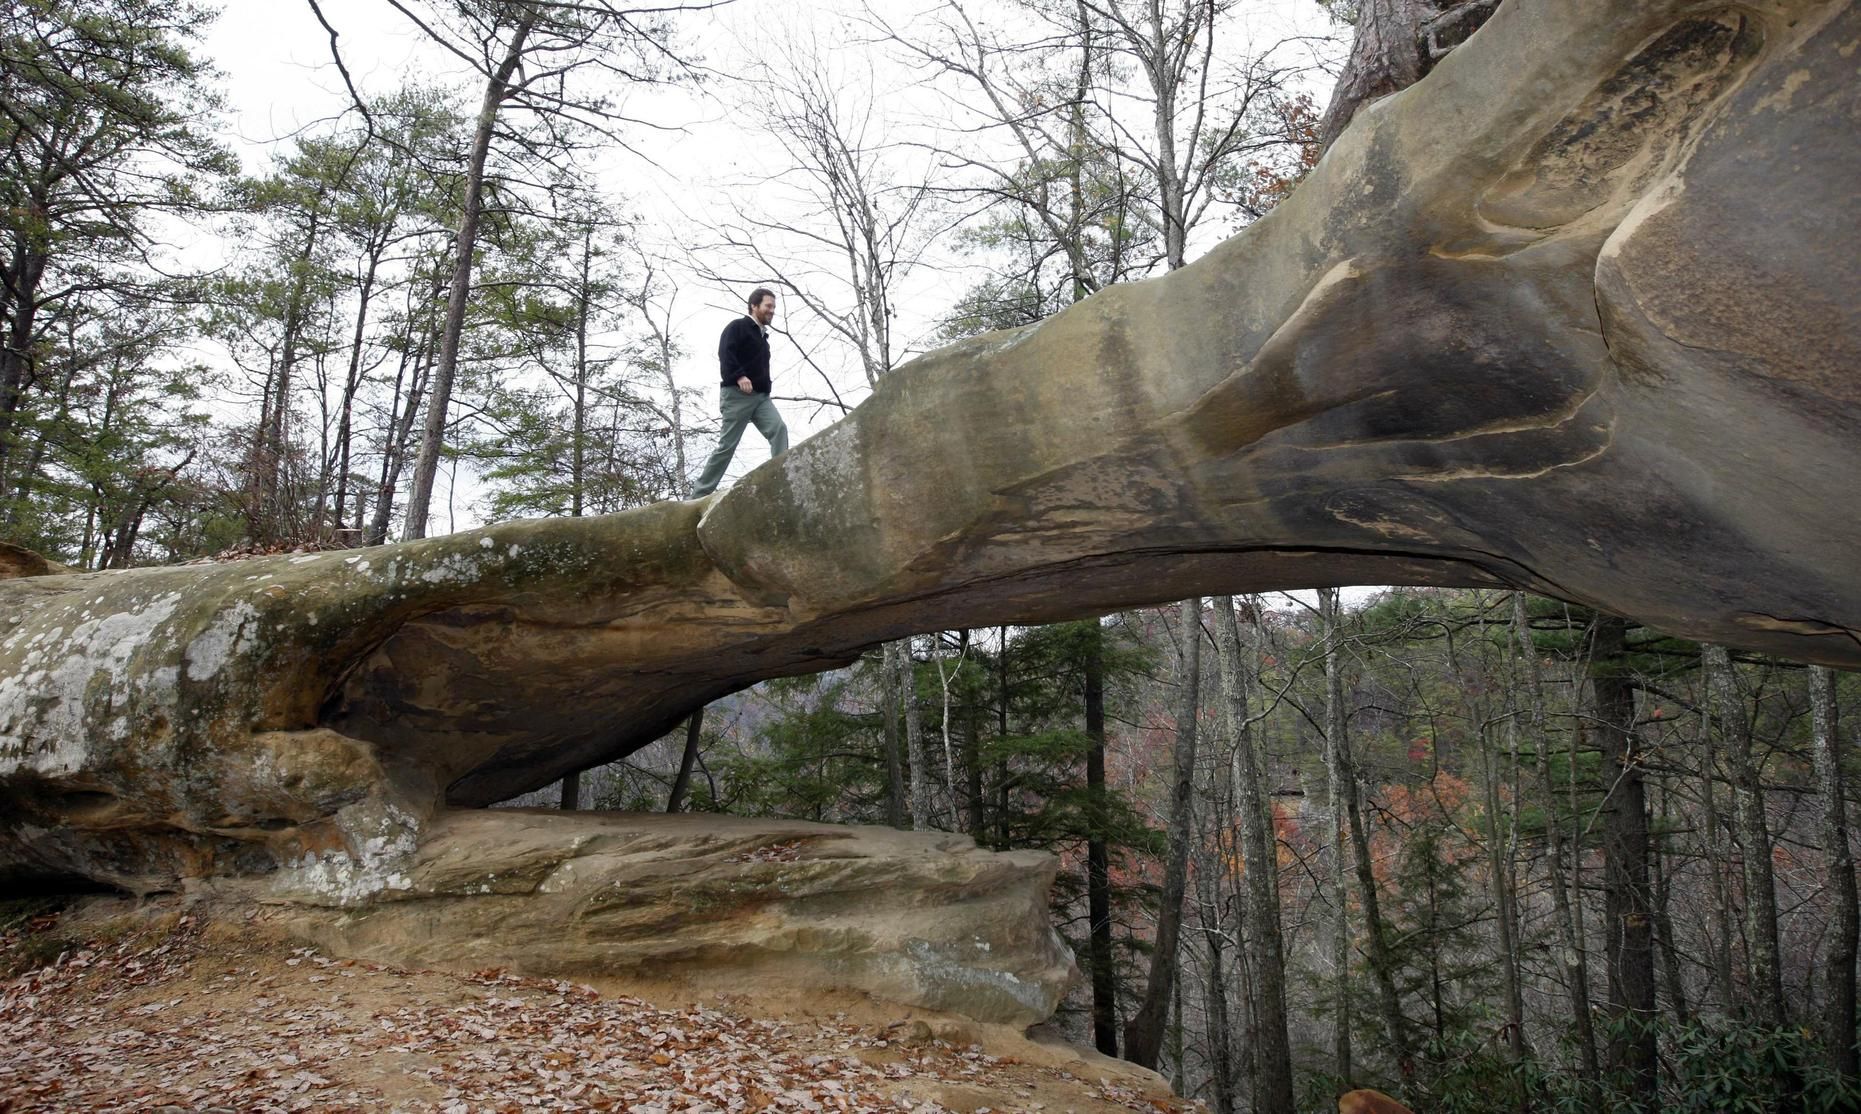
[159, 1007]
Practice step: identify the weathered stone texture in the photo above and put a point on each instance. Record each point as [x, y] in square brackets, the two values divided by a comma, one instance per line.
[919, 918]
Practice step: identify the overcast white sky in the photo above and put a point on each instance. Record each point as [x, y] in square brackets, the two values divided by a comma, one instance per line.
[275, 59]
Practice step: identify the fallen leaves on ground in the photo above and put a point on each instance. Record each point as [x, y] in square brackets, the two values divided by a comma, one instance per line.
[245, 551]
[784, 851]
[183, 1024]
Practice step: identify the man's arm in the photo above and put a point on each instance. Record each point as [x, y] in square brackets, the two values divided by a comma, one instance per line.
[730, 355]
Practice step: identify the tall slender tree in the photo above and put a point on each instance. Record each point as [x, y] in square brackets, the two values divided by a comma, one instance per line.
[1143, 1033]
[532, 56]
[1627, 898]
[1838, 1018]
[1220, 1021]
[509, 33]
[1098, 854]
[105, 133]
[1377, 934]
[1566, 920]
[917, 768]
[1260, 865]
[1754, 836]
[1337, 777]
[1499, 858]
[1208, 109]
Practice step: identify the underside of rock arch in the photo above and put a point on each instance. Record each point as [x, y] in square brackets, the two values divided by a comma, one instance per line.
[1576, 314]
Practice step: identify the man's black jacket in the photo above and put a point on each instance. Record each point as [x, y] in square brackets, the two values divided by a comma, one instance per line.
[744, 350]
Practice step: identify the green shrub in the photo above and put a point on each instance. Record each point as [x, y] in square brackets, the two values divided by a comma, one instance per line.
[1727, 1068]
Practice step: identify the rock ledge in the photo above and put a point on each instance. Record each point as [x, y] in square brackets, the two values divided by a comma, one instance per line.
[918, 918]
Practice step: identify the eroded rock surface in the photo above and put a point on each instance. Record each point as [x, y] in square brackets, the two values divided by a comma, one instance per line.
[921, 918]
[17, 561]
[1576, 313]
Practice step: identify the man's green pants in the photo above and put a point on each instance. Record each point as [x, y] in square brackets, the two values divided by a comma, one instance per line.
[739, 410]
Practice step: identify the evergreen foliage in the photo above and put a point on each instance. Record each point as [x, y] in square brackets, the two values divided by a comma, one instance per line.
[107, 131]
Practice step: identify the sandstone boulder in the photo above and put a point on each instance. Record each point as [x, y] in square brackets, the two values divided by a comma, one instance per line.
[923, 919]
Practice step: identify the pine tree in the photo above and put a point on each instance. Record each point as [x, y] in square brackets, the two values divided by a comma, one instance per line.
[106, 133]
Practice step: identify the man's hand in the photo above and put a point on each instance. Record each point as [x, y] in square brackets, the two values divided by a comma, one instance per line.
[744, 384]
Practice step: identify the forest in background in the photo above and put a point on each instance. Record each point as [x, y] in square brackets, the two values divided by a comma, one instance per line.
[1487, 851]
[1484, 850]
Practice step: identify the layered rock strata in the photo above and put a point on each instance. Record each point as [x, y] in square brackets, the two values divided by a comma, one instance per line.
[745, 906]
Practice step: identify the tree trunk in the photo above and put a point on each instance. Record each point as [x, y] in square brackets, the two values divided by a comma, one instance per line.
[571, 786]
[1504, 894]
[663, 340]
[1143, 1034]
[1396, 44]
[1664, 925]
[972, 771]
[24, 272]
[578, 485]
[400, 433]
[694, 729]
[1179, 1071]
[352, 382]
[571, 791]
[1247, 996]
[1717, 860]
[1838, 1017]
[1376, 933]
[119, 551]
[915, 765]
[1001, 729]
[1260, 863]
[943, 719]
[1098, 856]
[1337, 720]
[266, 498]
[1753, 834]
[1627, 902]
[1566, 923]
[1385, 57]
[894, 758]
[433, 437]
[1220, 1028]
[22, 476]
[1172, 205]
[1431, 942]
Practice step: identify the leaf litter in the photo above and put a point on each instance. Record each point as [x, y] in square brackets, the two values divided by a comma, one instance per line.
[200, 1021]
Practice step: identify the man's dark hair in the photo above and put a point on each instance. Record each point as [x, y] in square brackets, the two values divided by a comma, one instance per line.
[758, 294]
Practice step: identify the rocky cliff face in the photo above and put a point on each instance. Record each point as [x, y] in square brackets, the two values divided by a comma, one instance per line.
[1576, 313]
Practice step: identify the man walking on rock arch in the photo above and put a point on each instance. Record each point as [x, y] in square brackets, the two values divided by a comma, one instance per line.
[743, 394]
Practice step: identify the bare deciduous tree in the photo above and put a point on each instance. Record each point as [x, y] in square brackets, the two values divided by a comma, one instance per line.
[1143, 1033]
[534, 57]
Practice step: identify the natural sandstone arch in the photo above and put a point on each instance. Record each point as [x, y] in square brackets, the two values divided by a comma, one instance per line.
[1572, 343]
[1576, 313]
